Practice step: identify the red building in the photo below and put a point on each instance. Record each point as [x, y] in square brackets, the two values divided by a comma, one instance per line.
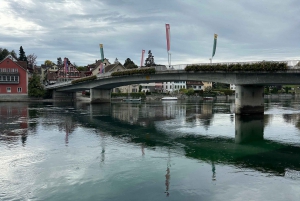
[13, 77]
[67, 72]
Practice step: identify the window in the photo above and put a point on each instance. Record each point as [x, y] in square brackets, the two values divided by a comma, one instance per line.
[19, 89]
[8, 90]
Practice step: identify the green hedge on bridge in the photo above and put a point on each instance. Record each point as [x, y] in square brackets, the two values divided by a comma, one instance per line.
[143, 71]
[260, 66]
[89, 78]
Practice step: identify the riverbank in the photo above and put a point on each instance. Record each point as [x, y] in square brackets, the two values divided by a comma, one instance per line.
[156, 97]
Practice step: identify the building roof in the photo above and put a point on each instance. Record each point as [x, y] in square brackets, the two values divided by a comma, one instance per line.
[111, 67]
[21, 64]
[194, 83]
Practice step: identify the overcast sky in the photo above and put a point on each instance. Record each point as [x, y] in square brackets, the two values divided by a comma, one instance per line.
[247, 29]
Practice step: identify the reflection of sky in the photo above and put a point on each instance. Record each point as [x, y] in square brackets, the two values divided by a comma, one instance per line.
[96, 164]
[220, 126]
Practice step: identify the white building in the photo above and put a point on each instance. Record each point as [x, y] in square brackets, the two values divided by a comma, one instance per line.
[173, 86]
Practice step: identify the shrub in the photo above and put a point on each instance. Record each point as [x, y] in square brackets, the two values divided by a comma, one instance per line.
[144, 71]
[84, 79]
[259, 66]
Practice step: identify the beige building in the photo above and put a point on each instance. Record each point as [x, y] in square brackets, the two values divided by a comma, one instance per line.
[206, 84]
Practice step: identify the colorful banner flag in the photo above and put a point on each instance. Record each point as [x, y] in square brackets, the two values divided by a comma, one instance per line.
[215, 44]
[66, 64]
[101, 52]
[142, 59]
[168, 36]
[101, 68]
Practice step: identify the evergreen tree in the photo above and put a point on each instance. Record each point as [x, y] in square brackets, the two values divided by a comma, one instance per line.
[59, 61]
[129, 64]
[22, 56]
[3, 53]
[35, 88]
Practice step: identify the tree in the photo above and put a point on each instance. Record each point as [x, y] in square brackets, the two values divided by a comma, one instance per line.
[208, 89]
[13, 54]
[129, 64]
[49, 63]
[35, 88]
[31, 58]
[3, 53]
[22, 56]
[190, 92]
[82, 68]
[59, 61]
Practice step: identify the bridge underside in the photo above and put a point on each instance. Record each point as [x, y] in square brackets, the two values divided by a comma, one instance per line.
[249, 97]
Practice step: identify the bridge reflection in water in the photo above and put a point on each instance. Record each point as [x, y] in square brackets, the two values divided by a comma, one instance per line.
[246, 148]
[243, 145]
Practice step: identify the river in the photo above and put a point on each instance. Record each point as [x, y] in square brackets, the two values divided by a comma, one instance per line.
[182, 150]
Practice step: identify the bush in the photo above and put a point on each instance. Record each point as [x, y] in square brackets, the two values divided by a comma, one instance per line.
[84, 79]
[143, 71]
[259, 66]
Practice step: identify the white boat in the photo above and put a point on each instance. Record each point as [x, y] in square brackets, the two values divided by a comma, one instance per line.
[169, 98]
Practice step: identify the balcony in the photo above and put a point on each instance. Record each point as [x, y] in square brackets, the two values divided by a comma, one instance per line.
[9, 78]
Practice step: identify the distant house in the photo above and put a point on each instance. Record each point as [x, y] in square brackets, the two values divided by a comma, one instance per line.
[67, 72]
[116, 66]
[93, 69]
[13, 77]
[196, 85]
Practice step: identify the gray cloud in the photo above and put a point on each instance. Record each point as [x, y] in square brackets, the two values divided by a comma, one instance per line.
[248, 30]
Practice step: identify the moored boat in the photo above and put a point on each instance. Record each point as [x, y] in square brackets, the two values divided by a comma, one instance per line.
[169, 98]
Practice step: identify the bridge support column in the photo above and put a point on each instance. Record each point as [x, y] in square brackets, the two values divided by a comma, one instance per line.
[100, 95]
[249, 128]
[63, 96]
[249, 99]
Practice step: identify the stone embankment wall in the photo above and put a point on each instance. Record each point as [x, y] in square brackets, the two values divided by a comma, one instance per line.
[14, 98]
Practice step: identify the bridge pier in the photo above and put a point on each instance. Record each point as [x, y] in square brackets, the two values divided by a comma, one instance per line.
[249, 99]
[63, 96]
[100, 95]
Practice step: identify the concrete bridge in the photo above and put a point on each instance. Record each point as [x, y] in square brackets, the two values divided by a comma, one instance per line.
[249, 96]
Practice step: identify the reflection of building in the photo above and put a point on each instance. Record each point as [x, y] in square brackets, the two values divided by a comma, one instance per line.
[128, 113]
[14, 122]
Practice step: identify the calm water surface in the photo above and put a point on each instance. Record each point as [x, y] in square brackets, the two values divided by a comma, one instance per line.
[149, 151]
